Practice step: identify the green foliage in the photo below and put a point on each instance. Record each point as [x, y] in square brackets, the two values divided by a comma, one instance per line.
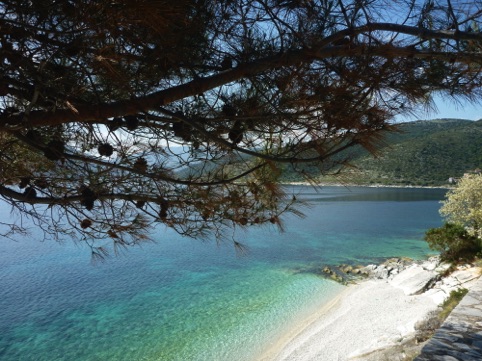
[427, 153]
[464, 204]
[451, 302]
[422, 153]
[453, 241]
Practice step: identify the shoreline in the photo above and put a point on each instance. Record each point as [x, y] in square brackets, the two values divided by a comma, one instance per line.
[371, 318]
[273, 350]
[348, 185]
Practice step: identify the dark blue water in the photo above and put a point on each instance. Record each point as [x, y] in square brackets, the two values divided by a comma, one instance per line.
[182, 299]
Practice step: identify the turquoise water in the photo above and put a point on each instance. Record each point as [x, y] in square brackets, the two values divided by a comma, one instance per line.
[181, 299]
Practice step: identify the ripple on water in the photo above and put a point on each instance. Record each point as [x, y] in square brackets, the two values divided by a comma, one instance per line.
[185, 300]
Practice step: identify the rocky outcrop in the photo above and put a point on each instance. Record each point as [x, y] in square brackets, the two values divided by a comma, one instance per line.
[388, 269]
[351, 273]
[342, 274]
[415, 280]
[462, 277]
[432, 276]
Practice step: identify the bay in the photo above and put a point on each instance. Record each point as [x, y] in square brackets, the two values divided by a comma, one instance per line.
[183, 299]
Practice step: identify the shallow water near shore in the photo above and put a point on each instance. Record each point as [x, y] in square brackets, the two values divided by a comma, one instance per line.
[182, 299]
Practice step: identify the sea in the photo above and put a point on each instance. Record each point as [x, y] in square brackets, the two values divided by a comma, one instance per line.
[181, 299]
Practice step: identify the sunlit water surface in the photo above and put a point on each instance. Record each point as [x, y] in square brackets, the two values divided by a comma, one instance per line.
[182, 299]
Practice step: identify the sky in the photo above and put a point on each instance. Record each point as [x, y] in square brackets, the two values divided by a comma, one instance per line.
[447, 108]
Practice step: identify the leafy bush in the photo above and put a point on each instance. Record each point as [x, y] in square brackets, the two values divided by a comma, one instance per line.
[453, 242]
[450, 303]
[463, 204]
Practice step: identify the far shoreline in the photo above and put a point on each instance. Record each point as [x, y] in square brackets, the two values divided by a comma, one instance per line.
[348, 185]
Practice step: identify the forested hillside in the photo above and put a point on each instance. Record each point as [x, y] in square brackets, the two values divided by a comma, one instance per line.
[425, 152]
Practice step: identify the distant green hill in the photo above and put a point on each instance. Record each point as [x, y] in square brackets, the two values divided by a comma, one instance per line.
[421, 153]
[425, 152]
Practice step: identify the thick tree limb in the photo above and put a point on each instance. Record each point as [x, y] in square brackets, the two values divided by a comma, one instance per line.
[322, 50]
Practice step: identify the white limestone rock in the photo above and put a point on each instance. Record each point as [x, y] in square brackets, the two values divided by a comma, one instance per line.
[442, 267]
[450, 282]
[437, 295]
[414, 280]
[466, 275]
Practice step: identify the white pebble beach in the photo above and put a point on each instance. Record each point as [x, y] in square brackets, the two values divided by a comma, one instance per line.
[372, 315]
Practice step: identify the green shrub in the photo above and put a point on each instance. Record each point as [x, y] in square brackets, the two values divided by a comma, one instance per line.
[453, 242]
[450, 303]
